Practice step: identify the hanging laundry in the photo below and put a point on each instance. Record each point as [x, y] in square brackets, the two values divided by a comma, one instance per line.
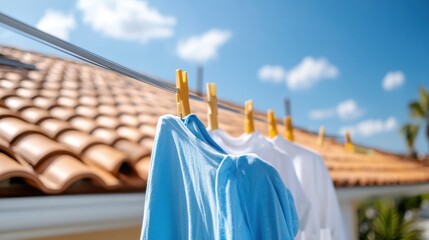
[197, 191]
[324, 221]
[255, 143]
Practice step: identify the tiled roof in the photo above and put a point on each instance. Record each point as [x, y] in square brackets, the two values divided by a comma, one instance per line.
[69, 124]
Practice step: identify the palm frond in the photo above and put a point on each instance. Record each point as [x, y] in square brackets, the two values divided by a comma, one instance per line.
[416, 110]
[424, 99]
[410, 132]
[387, 222]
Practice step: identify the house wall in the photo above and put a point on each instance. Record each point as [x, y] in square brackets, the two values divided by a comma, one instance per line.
[350, 218]
[113, 234]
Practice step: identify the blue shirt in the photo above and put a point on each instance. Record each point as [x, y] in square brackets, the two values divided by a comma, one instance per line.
[196, 191]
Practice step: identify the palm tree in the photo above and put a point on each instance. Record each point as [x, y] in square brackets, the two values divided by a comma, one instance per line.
[389, 224]
[381, 219]
[420, 109]
[410, 131]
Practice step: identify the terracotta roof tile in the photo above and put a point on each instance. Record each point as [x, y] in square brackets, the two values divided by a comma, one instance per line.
[68, 102]
[13, 76]
[127, 109]
[86, 111]
[34, 148]
[130, 133]
[45, 102]
[35, 115]
[77, 141]
[17, 103]
[147, 142]
[130, 120]
[108, 110]
[63, 113]
[11, 128]
[69, 122]
[5, 93]
[27, 93]
[106, 157]
[7, 84]
[107, 100]
[70, 84]
[4, 112]
[108, 136]
[52, 86]
[11, 168]
[88, 101]
[63, 170]
[147, 119]
[108, 122]
[148, 131]
[36, 76]
[69, 93]
[143, 167]
[134, 150]
[49, 93]
[84, 124]
[54, 127]
[60, 172]
[30, 84]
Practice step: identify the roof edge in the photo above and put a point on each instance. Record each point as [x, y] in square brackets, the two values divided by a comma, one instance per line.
[45, 216]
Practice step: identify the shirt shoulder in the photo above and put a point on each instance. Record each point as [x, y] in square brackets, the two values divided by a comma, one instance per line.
[249, 169]
[263, 188]
[254, 164]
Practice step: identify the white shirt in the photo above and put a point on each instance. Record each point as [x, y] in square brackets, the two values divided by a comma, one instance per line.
[255, 143]
[324, 221]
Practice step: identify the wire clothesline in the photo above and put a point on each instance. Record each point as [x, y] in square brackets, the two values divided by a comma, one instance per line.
[102, 62]
[92, 58]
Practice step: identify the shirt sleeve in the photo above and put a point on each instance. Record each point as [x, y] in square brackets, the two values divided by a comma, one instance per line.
[332, 218]
[286, 170]
[164, 191]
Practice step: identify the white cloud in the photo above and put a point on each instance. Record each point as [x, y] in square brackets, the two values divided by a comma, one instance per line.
[393, 80]
[319, 114]
[130, 20]
[371, 127]
[57, 23]
[306, 74]
[345, 110]
[349, 110]
[309, 72]
[203, 47]
[273, 73]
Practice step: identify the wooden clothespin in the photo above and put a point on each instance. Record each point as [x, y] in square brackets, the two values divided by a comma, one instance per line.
[272, 124]
[182, 95]
[249, 127]
[321, 138]
[212, 106]
[349, 145]
[289, 128]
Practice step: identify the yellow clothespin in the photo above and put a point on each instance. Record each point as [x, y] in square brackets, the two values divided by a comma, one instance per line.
[321, 137]
[349, 145]
[182, 95]
[272, 124]
[289, 128]
[249, 127]
[212, 106]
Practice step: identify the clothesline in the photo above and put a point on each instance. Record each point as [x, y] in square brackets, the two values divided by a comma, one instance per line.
[102, 62]
[92, 58]
[80, 53]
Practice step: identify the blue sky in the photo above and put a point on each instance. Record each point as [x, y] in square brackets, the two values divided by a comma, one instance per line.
[351, 65]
